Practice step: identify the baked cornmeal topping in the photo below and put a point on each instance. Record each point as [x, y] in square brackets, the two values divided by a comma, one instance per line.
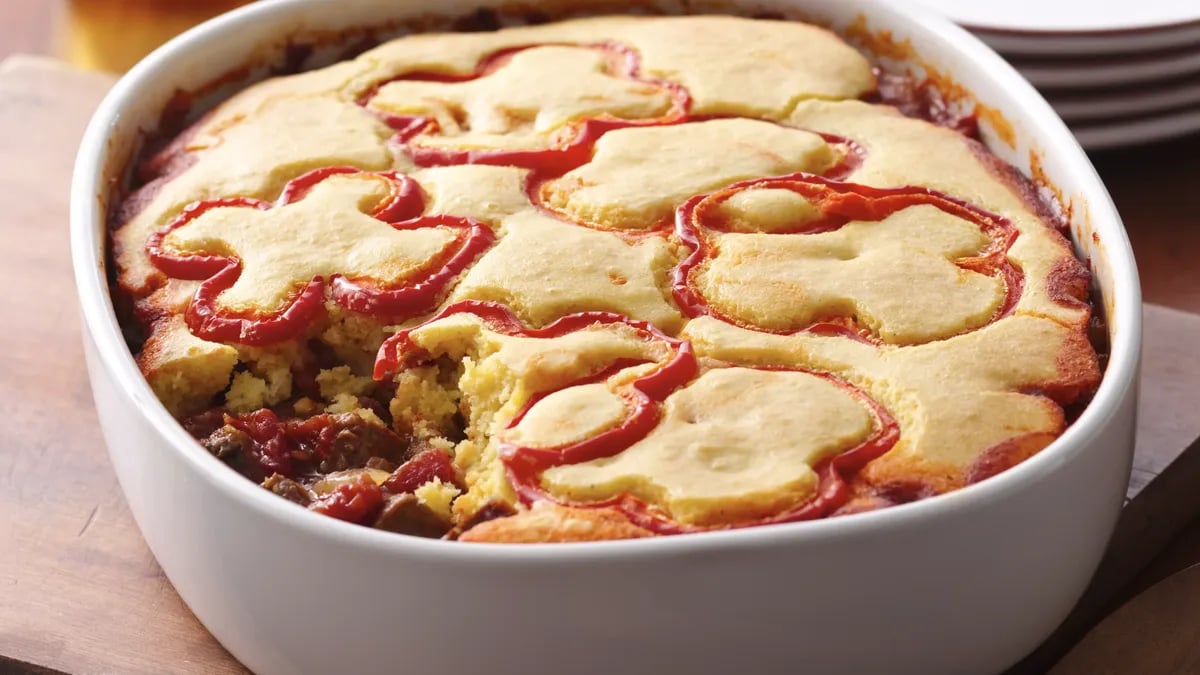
[715, 457]
[328, 232]
[524, 99]
[625, 187]
[606, 278]
[856, 270]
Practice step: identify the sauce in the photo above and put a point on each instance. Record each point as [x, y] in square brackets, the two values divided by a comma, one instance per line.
[422, 468]
[358, 501]
[265, 446]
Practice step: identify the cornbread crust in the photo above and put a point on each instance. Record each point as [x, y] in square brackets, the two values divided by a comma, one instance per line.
[954, 399]
[950, 163]
[637, 276]
[547, 523]
[622, 188]
[715, 457]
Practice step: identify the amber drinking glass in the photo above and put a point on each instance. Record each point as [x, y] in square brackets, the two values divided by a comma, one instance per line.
[112, 35]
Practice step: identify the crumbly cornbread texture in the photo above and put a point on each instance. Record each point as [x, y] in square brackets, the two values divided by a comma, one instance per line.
[604, 278]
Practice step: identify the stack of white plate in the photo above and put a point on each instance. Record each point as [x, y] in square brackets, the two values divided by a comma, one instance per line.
[1120, 72]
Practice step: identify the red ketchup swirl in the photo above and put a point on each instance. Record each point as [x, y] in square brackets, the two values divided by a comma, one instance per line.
[839, 203]
[643, 398]
[401, 209]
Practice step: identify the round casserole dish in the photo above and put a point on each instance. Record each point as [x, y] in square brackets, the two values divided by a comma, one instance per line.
[962, 583]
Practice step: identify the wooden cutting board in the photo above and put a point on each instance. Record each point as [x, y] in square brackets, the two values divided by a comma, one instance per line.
[1155, 634]
[79, 591]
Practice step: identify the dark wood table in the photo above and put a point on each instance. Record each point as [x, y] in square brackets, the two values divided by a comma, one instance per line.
[79, 591]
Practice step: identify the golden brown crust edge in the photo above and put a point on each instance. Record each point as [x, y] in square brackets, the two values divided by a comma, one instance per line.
[1069, 281]
[551, 523]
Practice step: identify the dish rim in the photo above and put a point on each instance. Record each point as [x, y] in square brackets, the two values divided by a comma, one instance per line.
[1110, 26]
[88, 234]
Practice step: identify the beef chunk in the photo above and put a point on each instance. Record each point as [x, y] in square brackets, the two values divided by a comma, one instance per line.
[357, 441]
[288, 489]
[407, 515]
[203, 424]
[381, 411]
[227, 443]
[260, 444]
[381, 464]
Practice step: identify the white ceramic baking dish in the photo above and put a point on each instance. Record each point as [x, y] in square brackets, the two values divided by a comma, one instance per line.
[963, 583]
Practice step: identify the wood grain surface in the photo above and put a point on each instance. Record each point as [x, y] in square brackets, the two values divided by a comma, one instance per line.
[28, 26]
[79, 591]
[1154, 634]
